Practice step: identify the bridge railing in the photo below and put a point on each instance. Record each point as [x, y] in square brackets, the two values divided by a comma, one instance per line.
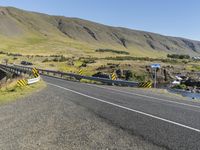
[23, 69]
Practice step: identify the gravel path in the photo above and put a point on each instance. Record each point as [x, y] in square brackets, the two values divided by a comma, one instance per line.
[47, 121]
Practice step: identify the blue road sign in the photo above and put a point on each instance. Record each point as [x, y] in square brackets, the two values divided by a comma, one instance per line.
[155, 66]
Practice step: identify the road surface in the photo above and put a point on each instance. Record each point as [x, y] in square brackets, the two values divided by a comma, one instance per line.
[169, 122]
[73, 115]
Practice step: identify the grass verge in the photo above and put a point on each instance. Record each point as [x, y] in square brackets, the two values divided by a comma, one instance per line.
[11, 92]
[162, 92]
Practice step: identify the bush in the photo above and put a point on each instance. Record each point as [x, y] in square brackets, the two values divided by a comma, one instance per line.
[84, 65]
[180, 86]
[113, 51]
[45, 60]
[140, 78]
[89, 61]
[177, 56]
[10, 54]
[55, 60]
[61, 59]
[128, 74]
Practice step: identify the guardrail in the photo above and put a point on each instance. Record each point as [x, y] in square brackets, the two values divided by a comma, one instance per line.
[22, 69]
[15, 70]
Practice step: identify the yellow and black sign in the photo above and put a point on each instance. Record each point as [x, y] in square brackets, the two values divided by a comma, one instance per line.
[22, 82]
[145, 84]
[35, 72]
[113, 77]
[80, 72]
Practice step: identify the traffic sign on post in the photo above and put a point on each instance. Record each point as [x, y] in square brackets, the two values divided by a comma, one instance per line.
[35, 72]
[113, 76]
[155, 67]
[80, 72]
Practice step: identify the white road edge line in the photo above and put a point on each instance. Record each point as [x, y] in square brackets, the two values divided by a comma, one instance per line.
[135, 94]
[126, 108]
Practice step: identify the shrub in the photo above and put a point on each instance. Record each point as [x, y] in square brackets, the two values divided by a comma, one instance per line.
[177, 56]
[113, 51]
[128, 74]
[180, 86]
[62, 59]
[45, 60]
[84, 65]
[55, 60]
[89, 61]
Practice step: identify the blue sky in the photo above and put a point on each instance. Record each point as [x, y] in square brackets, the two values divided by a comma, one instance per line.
[169, 17]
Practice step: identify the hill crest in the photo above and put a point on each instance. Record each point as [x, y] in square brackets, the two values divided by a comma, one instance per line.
[16, 23]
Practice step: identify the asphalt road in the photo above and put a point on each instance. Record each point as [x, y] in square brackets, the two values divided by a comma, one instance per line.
[50, 119]
[166, 121]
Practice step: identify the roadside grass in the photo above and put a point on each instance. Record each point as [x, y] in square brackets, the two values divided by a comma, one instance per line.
[90, 82]
[135, 65]
[12, 92]
[193, 67]
[79, 56]
[160, 92]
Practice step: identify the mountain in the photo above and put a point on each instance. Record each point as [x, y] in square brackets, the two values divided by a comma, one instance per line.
[31, 32]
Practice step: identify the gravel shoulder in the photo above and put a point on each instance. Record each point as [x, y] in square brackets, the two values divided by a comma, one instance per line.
[47, 121]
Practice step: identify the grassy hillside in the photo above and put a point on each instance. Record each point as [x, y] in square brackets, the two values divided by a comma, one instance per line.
[34, 33]
[68, 44]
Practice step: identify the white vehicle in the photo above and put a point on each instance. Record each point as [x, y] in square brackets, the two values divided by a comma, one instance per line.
[178, 78]
[176, 82]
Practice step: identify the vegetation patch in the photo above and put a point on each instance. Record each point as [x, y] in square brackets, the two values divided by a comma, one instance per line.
[35, 40]
[113, 51]
[60, 58]
[125, 58]
[180, 86]
[10, 91]
[83, 61]
[10, 54]
[177, 56]
[89, 81]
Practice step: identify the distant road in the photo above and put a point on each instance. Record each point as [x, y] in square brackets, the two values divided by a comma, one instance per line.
[168, 122]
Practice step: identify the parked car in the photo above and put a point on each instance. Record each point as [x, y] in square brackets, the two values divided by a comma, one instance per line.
[26, 63]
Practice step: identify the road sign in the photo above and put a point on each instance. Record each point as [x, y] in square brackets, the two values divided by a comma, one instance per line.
[155, 66]
[113, 76]
[35, 72]
[145, 84]
[80, 72]
[22, 82]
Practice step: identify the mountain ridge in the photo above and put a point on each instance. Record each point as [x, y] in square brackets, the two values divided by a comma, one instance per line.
[22, 24]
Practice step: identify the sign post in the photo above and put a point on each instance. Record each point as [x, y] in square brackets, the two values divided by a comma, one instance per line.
[155, 67]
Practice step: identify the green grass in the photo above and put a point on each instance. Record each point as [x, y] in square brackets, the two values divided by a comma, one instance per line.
[89, 81]
[36, 40]
[12, 92]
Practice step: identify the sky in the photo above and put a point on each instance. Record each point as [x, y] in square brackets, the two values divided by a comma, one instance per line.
[179, 18]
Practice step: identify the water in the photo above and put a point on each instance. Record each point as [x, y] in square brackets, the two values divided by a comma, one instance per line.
[185, 93]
